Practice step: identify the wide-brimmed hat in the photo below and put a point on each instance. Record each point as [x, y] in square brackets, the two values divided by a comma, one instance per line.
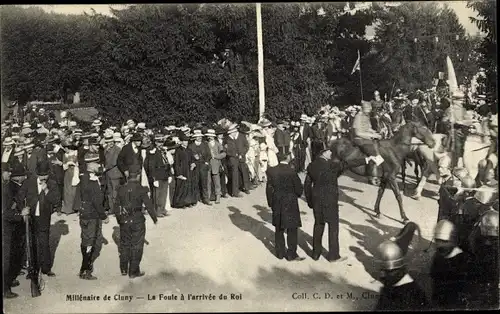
[117, 135]
[210, 133]
[233, 128]
[96, 123]
[244, 128]
[130, 123]
[141, 125]
[29, 146]
[108, 138]
[303, 117]
[197, 133]
[8, 141]
[170, 144]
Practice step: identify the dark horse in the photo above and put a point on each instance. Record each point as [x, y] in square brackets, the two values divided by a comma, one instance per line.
[393, 151]
[397, 117]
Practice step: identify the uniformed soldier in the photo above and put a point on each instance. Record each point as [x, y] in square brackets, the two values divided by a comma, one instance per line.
[13, 228]
[485, 277]
[130, 198]
[400, 292]
[92, 215]
[449, 269]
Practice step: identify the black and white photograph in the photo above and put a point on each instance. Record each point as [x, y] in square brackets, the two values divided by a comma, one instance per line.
[249, 157]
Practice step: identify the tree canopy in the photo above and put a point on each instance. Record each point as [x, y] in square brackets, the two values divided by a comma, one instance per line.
[198, 62]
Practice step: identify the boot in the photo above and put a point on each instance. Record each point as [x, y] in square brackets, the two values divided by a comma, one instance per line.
[138, 274]
[217, 199]
[86, 261]
[8, 294]
[87, 275]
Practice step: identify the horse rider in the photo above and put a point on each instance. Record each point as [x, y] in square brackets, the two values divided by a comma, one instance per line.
[414, 112]
[365, 137]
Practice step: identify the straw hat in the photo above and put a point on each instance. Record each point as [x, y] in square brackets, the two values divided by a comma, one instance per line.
[8, 141]
[233, 128]
[197, 133]
[210, 133]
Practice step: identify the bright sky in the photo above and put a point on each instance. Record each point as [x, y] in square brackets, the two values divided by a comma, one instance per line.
[460, 8]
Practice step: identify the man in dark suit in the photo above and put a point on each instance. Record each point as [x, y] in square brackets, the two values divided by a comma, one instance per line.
[232, 161]
[130, 155]
[242, 147]
[280, 137]
[38, 197]
[282, 190]
[322, 195]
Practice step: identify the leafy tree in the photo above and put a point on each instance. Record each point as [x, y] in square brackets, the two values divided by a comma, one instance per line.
[487, 12]
[309, 55]
[413, 64]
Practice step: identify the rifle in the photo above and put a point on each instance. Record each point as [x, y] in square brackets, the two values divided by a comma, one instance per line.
[33, 274]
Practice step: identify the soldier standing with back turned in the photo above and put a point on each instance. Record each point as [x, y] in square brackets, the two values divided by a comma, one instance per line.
[129, 216]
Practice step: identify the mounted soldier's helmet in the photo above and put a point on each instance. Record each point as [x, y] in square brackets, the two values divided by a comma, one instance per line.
[391, 254]
[446, 231]
[486, 195]
[489, 224]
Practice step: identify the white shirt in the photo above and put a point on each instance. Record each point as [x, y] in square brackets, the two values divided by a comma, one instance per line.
[37, 210]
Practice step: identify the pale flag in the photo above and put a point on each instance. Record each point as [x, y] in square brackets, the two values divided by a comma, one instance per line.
[357, 65]
[452, 78]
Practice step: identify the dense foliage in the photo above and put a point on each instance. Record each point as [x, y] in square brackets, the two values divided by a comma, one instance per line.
[172, 63]
[413, 40]
[487, 12]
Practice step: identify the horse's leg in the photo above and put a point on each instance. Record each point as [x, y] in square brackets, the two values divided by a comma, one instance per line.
[421, 183]
[403, 174]
[394, 187]
[381, 190]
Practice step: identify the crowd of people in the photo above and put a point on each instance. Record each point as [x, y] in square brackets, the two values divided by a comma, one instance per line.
[124, 170]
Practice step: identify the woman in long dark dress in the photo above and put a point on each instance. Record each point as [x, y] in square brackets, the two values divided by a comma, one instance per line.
[183, 195]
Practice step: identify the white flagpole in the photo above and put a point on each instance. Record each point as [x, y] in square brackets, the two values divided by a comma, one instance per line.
[260, 50]
[360, 80]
